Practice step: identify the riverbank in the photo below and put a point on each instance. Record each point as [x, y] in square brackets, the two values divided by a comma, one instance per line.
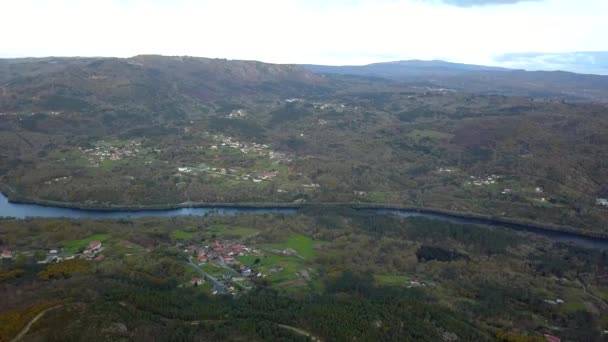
[198, 208]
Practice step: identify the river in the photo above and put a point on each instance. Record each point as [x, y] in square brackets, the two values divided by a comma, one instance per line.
[21, 211]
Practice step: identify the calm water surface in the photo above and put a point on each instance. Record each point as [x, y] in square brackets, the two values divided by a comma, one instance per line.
[22, 211]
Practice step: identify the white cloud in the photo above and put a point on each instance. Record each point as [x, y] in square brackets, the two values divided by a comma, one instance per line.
[298, 31]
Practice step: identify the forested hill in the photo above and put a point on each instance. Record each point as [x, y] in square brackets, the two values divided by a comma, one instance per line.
[160, 131]
[482, 79]
[144, 83]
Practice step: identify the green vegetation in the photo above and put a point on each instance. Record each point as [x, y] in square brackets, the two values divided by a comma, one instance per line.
[181, 235]
[11, 322]
[64, 269]
[428, 135]
[336, 274]
[225, 231]
[75, 246]
[162, 131]
[101, 134]
[303, 245]
[390, 280]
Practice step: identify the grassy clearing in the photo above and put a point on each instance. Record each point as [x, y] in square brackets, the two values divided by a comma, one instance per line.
[72, 247]
[390, 280]
[181, 235]
[418, 134]
[304, 245]
[107, 164]
[278, 268]
[571, 306]
[124, 247]
[227, 231]
[376, 196]
[215, 271]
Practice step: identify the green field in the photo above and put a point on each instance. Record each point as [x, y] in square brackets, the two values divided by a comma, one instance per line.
[74, 246]
[227, 231]
[301, 243]
[181, 235]
[280, 269]
[419, 134]
[390, 280]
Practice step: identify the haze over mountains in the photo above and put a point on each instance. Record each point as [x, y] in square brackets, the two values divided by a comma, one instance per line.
[585, 62]
[482, 79]
[206, 78]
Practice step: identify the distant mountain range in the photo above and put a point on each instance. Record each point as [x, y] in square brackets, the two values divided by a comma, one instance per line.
[400, 69]
[586, 62]
[482, 79]
[155, 83]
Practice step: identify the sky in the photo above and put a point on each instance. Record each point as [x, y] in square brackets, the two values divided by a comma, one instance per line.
[340, 32]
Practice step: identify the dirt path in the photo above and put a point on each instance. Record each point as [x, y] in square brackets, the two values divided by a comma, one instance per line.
[300, 332]
[591, 294]
[31, 322]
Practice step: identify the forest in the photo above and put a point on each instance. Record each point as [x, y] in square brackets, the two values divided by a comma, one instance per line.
[164, 131]
[353, 276]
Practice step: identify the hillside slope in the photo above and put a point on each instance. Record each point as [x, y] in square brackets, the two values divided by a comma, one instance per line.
[483, 79]
[159, 131]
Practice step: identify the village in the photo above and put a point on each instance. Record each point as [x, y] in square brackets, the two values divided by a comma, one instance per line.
[93, 251]
[108, 151]
[253, 148]
[220, 268]
[218, 263]
[265, 171]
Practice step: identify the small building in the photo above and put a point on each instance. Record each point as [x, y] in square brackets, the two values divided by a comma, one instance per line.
[94, 245]
[7, 254]
[289, 251]
[602, 201]
[246, 272]
[551, 338]
[53, 251]
[197, 281]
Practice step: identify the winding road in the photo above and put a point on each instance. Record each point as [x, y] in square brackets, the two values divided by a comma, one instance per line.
[32, 321]
[217, 285]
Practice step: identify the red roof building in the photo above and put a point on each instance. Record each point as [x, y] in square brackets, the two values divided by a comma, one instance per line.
[551, 338]
[7, 253]
[94, 245]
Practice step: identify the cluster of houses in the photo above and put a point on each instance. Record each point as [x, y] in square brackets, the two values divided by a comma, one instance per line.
[492, 179]
[237, 114]
[334, 106]
[92, 252]
[7, 254]
[58, 179]
[101, 153]
[446, 169]
[220, 171]
[225, 253]
[249, 148]
[246, 148]
[416, 283]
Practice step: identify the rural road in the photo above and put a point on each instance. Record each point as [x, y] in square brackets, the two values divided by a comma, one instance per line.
[300, 332]
[217, 285]
[31, 322]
